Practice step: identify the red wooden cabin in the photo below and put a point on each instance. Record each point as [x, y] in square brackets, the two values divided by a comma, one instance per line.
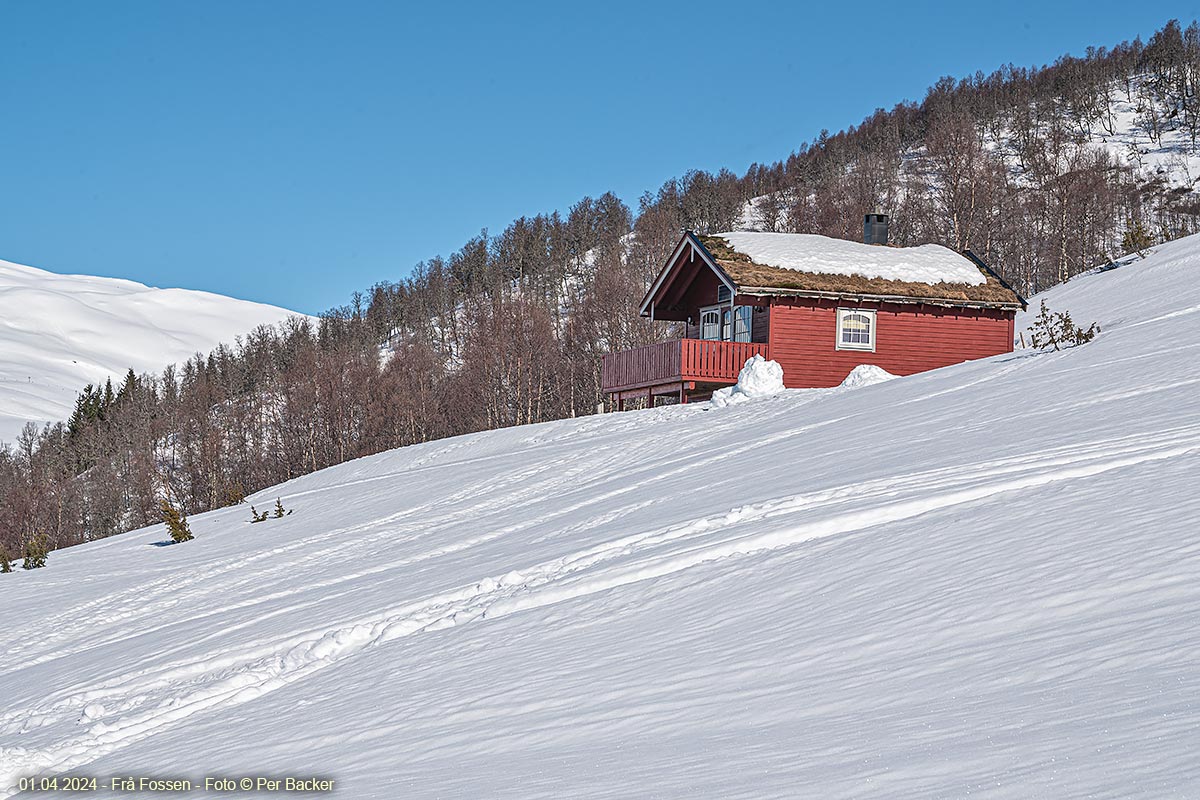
[818, 306]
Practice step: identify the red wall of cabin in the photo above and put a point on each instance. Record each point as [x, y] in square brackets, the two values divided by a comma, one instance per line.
[909, 338]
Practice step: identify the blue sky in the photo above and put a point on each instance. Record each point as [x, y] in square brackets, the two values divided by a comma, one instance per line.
[294, 152]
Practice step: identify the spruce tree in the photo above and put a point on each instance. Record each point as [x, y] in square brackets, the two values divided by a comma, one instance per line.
[176, 522]
[109, 399]
[1056, 329]
[235, 494]
[1137, 239]
[129, 388]
[36, 549]
[279, 512]
[5, 561]
[255, 516]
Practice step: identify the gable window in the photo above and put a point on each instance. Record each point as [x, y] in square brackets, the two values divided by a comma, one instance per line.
[710, 324]
[855, 329]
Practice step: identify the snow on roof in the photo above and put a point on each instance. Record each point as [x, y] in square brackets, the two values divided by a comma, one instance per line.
[806, 252]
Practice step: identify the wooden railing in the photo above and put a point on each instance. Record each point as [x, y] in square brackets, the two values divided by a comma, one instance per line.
[642, 366]
[703, 360]
[678, 360]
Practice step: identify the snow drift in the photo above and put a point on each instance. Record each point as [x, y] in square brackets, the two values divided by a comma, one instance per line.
[979, 581]
[59, 333]
[866, 375]
[757, 378]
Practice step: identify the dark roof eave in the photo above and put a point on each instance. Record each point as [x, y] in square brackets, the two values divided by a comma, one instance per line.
[766, 291]
[979, 262]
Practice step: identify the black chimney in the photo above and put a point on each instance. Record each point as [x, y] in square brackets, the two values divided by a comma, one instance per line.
[875, 228]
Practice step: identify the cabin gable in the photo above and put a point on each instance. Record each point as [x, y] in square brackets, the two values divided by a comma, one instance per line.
[690, 279]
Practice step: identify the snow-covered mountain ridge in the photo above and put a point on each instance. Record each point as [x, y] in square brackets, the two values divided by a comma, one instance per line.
[59, 333]
[981, 580]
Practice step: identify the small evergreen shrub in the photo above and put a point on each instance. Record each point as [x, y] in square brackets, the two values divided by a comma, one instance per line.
[279, 512]
[36, 550]
[235, 495]
[5, 561]
[255, 516]
[1056, 329]
[1137, 239]
[176, 522]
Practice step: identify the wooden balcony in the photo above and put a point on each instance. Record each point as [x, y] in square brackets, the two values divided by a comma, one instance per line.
[674, 364]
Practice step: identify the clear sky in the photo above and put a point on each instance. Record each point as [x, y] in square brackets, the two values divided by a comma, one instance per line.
[293, 152]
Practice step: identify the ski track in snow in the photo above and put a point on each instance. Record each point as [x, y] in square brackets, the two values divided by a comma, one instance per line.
[145, 700]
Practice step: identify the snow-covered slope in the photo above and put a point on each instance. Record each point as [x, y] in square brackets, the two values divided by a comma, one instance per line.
[59, 333]
[1170, 156]
[980, 581]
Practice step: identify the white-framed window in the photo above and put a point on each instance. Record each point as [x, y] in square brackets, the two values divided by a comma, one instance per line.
[855, 329]
[714, 323]
[741, 323]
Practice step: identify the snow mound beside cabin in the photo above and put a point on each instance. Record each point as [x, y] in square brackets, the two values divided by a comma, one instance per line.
[866, 375]
[758, 378]
[808, 252]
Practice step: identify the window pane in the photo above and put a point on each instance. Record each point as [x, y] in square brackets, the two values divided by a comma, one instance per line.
[856, 329]
[742, 324]
[709, 322]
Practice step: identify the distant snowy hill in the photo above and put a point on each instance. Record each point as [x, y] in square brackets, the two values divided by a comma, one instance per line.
[60, 332]
[980, 581]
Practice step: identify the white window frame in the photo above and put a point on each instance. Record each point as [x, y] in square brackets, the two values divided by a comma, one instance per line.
[743, 314]
[743, 323]
[872, 331]
[716, 311]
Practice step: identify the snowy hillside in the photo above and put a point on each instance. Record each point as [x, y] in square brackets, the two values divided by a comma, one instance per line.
[1165, 158]
[1171, 156]
[981, 581]
[59, 333]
